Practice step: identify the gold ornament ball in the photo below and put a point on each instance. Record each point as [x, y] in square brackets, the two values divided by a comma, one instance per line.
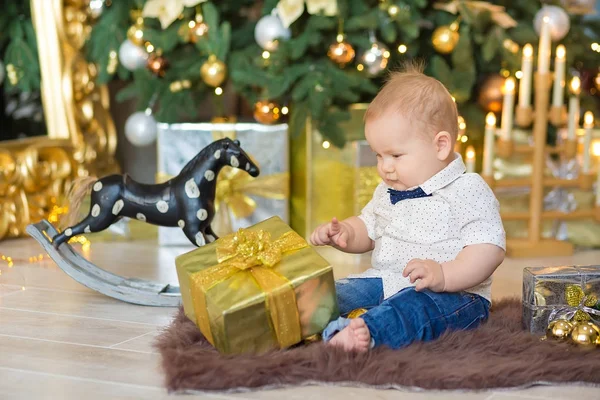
[490, 94]
[356, 313]
[559, 329]
[135, 34]
[199, 31]
[444, 39]
[585, 334]
[213, 71]
[597, 81]
[267, 112]
[341, 53]
[158, 65]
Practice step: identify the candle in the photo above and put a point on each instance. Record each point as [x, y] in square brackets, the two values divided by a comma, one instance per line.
[573, 121]
[488, 143]
[559, 76]
[507, 109]
[525, 83]
[588, 123]
[596, 153]
[470, 164]
[544, 48]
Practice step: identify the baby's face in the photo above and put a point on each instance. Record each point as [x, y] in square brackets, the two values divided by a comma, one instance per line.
[405, 157]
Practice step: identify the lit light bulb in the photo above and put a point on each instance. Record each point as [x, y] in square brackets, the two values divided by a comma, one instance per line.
[588, 119]
[575, 85]
[470, 153]
[561, 52]
[490, 119]
[528, 51]
[509, 85]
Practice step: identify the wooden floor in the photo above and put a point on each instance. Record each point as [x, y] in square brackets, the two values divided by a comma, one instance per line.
[60, 340]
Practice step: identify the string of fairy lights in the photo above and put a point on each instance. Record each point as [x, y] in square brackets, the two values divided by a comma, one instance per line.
[10, 261]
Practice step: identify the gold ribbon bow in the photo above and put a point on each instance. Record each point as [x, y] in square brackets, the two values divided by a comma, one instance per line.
[253, 252]
[499, 15]
[576, 297]
[234, 188]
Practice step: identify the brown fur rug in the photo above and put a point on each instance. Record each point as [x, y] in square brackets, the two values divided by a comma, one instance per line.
[498, 354]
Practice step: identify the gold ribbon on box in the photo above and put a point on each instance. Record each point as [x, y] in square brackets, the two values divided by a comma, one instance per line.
[234, 188]
[579, 305]
[576, 297]
[254, 252]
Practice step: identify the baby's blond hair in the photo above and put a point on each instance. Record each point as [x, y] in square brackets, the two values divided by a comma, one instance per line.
[424, 100]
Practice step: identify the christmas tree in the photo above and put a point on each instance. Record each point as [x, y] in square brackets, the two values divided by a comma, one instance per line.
[316, 57]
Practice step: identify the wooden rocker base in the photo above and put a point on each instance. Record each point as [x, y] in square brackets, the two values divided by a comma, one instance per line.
[130, 290]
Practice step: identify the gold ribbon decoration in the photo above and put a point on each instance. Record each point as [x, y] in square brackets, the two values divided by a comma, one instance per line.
[234, 188]
[499, 15]
[254, 252]
[575, 297]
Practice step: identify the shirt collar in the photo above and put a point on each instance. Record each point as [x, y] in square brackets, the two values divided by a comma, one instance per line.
[446, 176]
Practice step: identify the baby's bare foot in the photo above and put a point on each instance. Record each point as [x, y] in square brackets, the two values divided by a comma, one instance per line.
[355, 336]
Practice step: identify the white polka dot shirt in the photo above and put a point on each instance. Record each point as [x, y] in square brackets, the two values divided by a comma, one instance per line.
[462, 210]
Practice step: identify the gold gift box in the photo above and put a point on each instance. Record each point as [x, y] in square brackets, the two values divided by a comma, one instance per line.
[242, 309]
[327, 181]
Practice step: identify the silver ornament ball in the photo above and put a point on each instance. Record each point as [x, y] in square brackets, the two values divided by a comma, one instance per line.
[558, 19]
[140, 128]
[268, 30]
[375, 59]
[131, 56]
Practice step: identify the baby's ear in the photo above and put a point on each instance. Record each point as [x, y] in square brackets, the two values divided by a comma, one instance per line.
[444, 145]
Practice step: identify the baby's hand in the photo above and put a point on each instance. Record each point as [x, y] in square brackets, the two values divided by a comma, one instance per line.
[331, 233]
[429, 272]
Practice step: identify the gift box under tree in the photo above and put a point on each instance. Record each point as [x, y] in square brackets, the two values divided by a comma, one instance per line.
[241, 200]
[553, 293]
[257, 289]
[328, 181]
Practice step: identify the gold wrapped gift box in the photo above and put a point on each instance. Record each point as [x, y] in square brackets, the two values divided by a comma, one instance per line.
[331, 182]
[258, 289]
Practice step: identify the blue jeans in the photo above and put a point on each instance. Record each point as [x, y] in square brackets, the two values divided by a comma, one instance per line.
[407, 316]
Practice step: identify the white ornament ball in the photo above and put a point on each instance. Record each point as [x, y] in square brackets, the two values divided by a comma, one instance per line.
[268, 30]
[96, 8]
[558, 19]
[131, 56]
[140, 128]
[2, 72]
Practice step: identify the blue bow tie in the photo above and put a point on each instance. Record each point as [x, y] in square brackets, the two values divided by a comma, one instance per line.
[399, 195]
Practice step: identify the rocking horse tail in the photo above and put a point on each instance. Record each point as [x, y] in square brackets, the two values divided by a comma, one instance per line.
[77, 192]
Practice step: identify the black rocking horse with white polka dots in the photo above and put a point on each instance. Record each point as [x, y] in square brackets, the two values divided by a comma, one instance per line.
[187, 200]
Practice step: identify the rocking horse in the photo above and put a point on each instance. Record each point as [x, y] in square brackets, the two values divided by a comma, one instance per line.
[186, 200]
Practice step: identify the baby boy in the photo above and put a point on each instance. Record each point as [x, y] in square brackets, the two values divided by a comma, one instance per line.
[435, 231]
